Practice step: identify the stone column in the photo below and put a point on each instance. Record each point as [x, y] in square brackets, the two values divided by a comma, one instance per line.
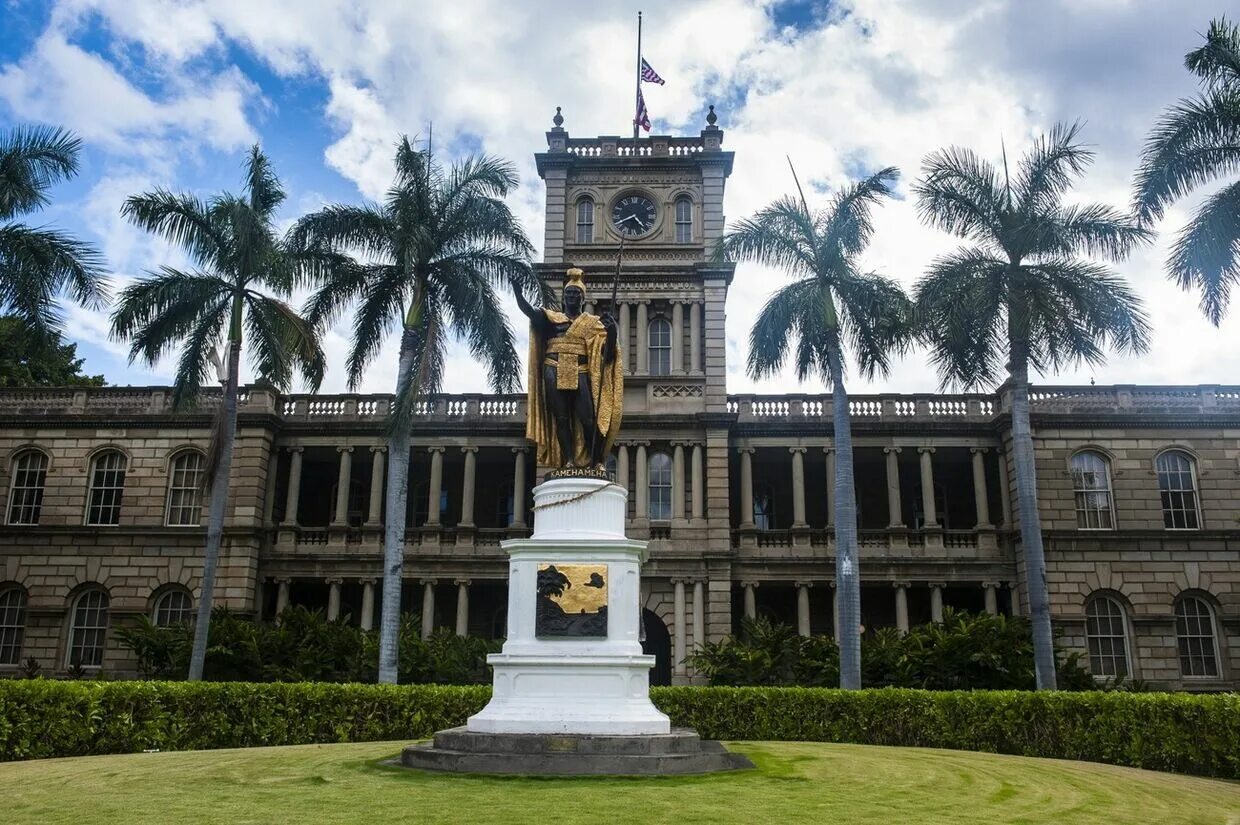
[678, 624]
[467, 486]
[281, 595]
[798, 486]
[678, 329]
[698, 487]
[622, 467]
[830, 454]
[269, 492]
[678, 482]
[643, 332]
[746, 502]
[368, 604]
[936, 601]
[344, 477]
[641, 495]
[751, 600]
[928, 507]
[518, 487]
[333, 599]
[293, 496]
[1005, 492]
[624, 336]
[981, 501]
[428, 607]
[992, 598]
[435, 488]
[901, 606]
[1014, 596]
[462, 607]
[695, 338]
[699, 614]
[895, 517]
[375, 515]
[803, 608]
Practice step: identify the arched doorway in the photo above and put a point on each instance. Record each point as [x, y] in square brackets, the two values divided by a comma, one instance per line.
[658, 643]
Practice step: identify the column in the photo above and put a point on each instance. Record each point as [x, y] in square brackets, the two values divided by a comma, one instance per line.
[428, 607]
[699, 614]
[293, 496]
[698, 487]
[641, 495]
[894, 511]
[1014, 597]
[281, 595]
[928, 509]
[835, 613]
[624, 336]
[375, 515]
[746, 502]
[643, 330]
[1005, 492]
[368, 604]
[344, 477]
[798, 486]
[992, 598]
[695, 338]
[435, 491]
[936, 601]
[981, 501]
[518, 487]
[678, 623]
[751, 601]
[269, 492]
[462, 607]
[678, 330]
[830, 454]
[467, 486]
[901, 606]
[333, 599]
[678, 482]
[803, 608]
[622, 467]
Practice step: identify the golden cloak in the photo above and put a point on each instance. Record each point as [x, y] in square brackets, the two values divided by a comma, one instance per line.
[589, 331]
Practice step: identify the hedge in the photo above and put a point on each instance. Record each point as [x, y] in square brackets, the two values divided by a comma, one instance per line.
[1185, 733]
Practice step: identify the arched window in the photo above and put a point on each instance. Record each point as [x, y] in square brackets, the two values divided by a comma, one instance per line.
[1106, 635]
[1177, 484]
[89, 629]
[763, 507]
[185, 489]
[660, 345]
[1091, 484]
[26, 493]
[174, 606]
[1194, 635]
[660, 486]
[12, 624]
[684, 220]
[107, 484]
[585, 220]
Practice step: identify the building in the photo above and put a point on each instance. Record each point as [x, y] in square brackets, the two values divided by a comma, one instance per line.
[1140, 486]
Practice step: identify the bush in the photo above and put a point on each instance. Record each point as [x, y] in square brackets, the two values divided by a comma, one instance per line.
[1197, 734]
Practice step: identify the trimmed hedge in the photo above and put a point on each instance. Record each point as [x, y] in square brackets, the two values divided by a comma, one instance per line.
[1185, 733]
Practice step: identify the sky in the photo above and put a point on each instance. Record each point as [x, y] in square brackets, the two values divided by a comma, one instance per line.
[171, 94]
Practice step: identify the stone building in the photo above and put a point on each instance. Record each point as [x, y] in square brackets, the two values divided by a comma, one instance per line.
[1139, 486]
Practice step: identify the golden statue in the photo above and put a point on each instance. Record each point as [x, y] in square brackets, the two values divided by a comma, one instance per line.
[576, 381]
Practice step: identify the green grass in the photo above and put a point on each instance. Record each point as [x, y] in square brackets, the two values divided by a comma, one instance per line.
[794, 782]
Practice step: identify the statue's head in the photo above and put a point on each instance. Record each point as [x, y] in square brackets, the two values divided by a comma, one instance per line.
[574, 292]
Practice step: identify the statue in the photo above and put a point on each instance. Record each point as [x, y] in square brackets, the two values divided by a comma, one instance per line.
[575, 384]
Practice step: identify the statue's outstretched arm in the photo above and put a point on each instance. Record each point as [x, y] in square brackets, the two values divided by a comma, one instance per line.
[537, 317]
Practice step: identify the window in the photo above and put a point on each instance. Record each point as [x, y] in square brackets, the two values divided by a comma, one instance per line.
[660, 347]
[660, 487]
[764, 508]
[684, 220]
[585, 220]
[1194, 634]
[174, 606]
[185, 489]
[26, 495]
[107, 483]
[12, 624]
[1106, 636]
[90, 626]
[1091, 483]
[1177, 484]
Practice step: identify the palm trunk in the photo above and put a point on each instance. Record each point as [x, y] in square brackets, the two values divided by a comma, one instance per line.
[847, 571]
[219, 499]
[1030, 523]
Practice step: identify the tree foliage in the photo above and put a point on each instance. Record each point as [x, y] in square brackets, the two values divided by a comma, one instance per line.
[34, 358]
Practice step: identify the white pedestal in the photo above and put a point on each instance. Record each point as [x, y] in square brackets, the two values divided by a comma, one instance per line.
[574, 685]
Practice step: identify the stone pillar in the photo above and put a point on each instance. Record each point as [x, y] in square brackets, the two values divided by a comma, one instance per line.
[901, 606]
[333, 599]
[981, 501]
[269, 492]
[344, 477]
[281, 595]
[928, 507]
[375, 514]
[678, 482]
[803, 608]
[643, 332]
[624, 336]
[895, 514]
[751, 600]
[678, 624]
[746, 502]
[435, 488]
[835, 613]
[678, 331]
[798, 486]
[641, 495]
[936, 601]
[992, 598]
[428, 608]
[698, 487]
[293, 496]
[1014, 597]
[695, 338]
[622, 467]
[368, 604]
[830, 454]
[1005, 492]
[467, 486]
[462, 607]
[518, 487]
[699, 614]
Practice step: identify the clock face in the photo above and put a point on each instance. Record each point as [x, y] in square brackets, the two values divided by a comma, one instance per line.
[633, 215]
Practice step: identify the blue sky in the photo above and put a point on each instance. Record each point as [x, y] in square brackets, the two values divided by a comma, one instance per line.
[171, 94]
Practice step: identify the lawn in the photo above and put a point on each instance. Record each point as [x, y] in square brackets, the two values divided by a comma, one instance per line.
[794, 782]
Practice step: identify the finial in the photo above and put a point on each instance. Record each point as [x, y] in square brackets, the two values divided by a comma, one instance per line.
[711, 117]
[558, 120]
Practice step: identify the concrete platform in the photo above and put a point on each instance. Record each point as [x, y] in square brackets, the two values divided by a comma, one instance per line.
[681, 752]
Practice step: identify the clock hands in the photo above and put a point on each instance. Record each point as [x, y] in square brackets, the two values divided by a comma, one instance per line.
[641, 227]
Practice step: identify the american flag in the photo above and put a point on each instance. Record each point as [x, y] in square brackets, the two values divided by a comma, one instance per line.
[649, 75]
[642, 118]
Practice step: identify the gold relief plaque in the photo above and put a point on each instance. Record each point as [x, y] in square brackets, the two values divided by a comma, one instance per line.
[572, 600]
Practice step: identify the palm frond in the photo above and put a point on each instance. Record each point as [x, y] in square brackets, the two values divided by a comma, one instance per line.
[780, 235]
[1094, 229]
[184, 221]
[1049, 168]
[261, 184]
[848, 227]
[157, 311]
[282, 343]
[195, 364]
[38, 265]
[473, 313]
[1218, 61]
[33, 159]
[345, 229]
[791, 318]
[876, 319]
[1206, 254]
[960, 193]
[961, 314]
[383, 295]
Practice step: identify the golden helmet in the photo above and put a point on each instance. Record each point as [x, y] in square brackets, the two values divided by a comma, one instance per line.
[573, 277]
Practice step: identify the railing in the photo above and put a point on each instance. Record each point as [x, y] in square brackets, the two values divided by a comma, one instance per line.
[868, 541]
[654, 146]
[865, 407]
[436, 408]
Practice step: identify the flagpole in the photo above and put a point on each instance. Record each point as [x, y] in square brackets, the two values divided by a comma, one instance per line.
[637, 97]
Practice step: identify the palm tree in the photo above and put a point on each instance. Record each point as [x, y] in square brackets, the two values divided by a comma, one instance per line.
[429, 257]
[38, 264]
[832, 306]
[1195, 142]
[239, 261]
[1020, 295]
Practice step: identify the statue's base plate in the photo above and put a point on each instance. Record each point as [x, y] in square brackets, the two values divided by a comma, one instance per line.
[579, 472]
[459, 750]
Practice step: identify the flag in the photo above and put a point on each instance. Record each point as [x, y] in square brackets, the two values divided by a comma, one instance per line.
[642, 118]
[649, 75]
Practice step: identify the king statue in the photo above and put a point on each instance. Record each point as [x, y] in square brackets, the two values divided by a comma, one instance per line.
[576, 382]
